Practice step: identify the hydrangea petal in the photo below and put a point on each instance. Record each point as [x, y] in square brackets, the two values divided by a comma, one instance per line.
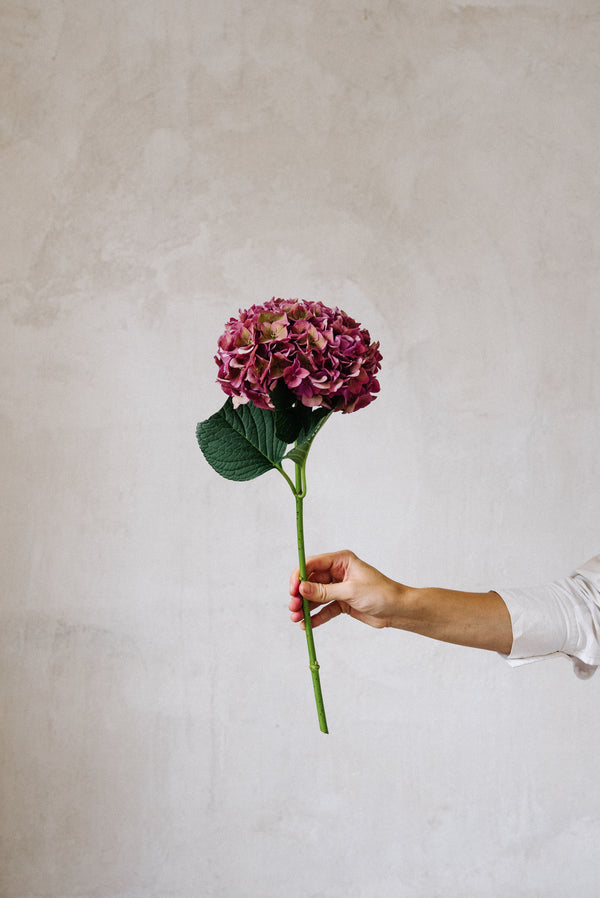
[322, 355]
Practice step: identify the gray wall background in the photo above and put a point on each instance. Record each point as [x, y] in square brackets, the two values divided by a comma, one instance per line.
[432, 168]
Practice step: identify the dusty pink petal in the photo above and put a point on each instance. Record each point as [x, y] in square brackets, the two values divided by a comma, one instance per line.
[323, 355]
[294, 374]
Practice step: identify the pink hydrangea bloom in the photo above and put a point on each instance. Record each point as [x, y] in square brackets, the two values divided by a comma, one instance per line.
[322, 355]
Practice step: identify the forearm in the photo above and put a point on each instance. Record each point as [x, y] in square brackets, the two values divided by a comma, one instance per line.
[479, 620]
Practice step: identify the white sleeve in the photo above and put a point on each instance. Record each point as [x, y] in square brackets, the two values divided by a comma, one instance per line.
[560, 618]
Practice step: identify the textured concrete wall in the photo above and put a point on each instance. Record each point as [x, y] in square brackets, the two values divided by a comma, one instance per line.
[433, 169]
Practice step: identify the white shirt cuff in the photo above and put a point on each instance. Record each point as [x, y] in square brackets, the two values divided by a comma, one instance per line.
[559, 618]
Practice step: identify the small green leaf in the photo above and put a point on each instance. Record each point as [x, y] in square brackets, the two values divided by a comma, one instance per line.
[281, 396]
[293, 424]
[290, 416]
[287, 425]
[313, 423]
[240, 443]
[300, 452]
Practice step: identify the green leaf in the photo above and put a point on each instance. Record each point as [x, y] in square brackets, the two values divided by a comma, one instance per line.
[290, 417]
[313, 423]
[287, 426]
[241, 443]
[300, 452]
[291, 423]
[281, 396]
[294, 422]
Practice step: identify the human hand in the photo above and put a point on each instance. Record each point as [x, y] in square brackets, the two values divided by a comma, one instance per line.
[344, 584]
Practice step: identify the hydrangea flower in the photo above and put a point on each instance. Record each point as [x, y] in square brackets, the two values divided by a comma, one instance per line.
[322, 355]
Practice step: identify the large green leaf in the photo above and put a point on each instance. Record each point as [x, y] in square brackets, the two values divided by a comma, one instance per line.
[241, 443]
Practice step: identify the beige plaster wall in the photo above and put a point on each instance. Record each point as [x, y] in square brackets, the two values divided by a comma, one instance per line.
[433, 169]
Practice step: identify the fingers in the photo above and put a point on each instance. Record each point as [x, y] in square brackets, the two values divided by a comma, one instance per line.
[331, 567]
[318, 594]
[315, 577]
[327, 613]
[323, 593]
[324, 586]
[295, 582]
[295, 606]
[333, 564]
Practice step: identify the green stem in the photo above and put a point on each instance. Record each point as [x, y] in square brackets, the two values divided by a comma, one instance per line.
[300, 492]
[283, 474]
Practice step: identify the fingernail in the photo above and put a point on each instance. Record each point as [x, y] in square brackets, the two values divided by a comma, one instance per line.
[306, 588]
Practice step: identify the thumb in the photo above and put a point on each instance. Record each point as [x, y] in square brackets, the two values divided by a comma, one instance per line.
[318, 592]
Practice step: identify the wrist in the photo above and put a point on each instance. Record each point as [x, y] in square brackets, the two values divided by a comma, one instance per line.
[406, 607]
